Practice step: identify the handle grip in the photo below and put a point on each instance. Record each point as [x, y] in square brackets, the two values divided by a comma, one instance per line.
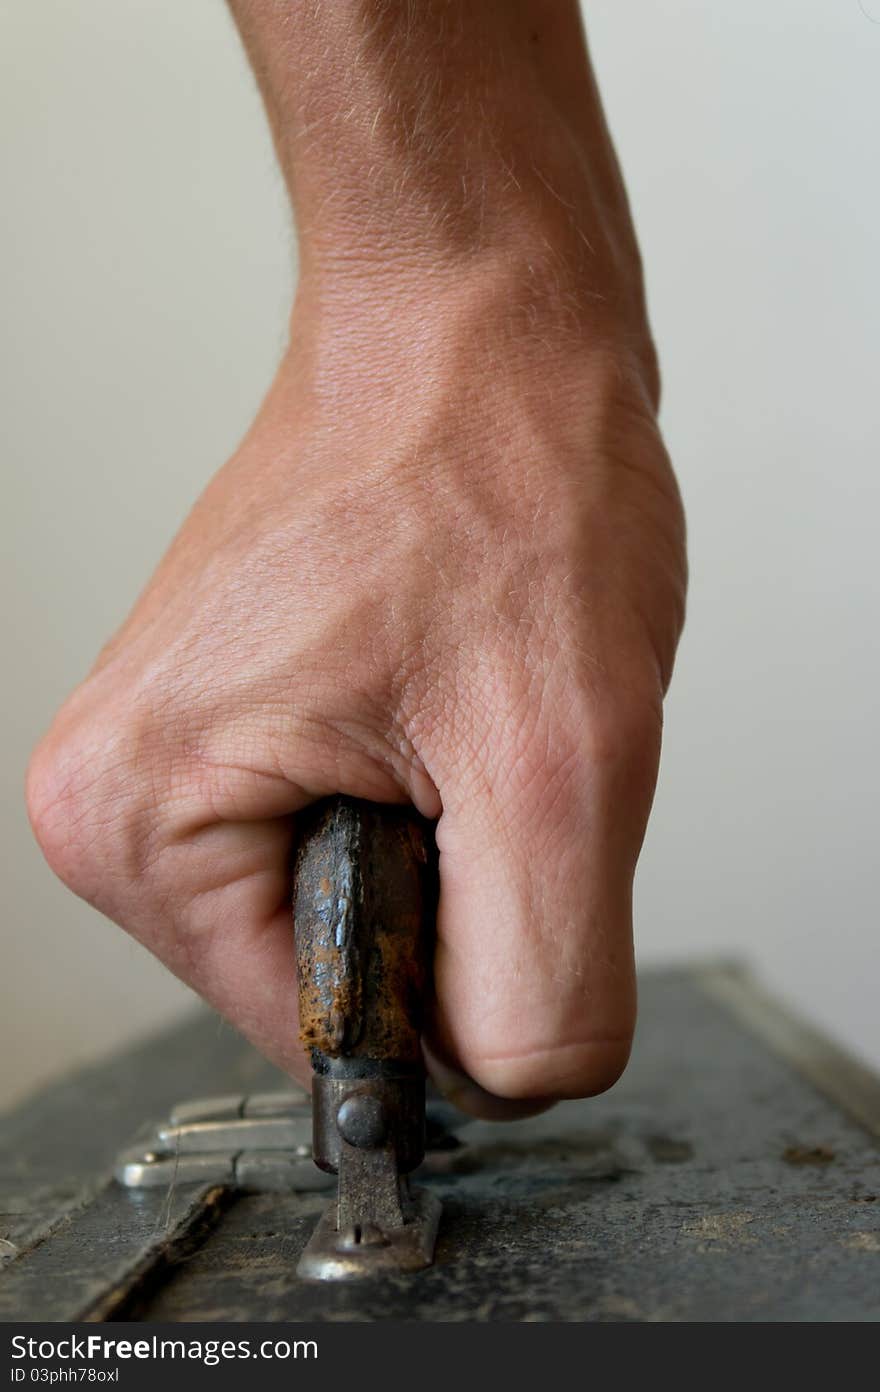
[363, 904]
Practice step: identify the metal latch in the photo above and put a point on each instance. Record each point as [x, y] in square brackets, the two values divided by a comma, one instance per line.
[261, 1142]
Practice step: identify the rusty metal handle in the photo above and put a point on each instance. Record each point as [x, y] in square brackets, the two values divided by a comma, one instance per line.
[364, 902]
[361, 918]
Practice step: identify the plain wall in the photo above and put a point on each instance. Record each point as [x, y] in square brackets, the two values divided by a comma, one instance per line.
[147, 259]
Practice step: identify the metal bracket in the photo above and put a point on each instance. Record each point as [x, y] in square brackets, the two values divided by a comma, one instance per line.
[335, 1253]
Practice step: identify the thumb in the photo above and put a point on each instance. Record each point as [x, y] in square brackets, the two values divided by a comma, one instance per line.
[534, 971]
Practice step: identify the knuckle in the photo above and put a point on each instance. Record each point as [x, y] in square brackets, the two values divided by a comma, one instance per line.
[623, 731]
[50, 796]
[559, 756]
[80, 798]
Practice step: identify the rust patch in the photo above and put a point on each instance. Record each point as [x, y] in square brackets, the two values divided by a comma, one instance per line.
[808, 1155]
[363, 910]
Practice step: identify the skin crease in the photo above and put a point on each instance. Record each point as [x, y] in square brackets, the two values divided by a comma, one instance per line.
[445, 565]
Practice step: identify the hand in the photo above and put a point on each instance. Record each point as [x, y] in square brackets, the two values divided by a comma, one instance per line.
[445, 565]
[449, 570]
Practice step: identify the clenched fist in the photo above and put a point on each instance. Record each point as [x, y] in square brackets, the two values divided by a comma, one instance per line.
[446, 565]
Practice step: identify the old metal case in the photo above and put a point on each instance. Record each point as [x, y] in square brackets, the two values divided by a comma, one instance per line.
[733, 1174]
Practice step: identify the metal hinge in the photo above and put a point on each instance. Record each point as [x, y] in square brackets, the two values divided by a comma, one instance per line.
[262, 1141]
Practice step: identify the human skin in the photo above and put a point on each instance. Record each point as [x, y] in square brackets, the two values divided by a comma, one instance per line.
[446, 564]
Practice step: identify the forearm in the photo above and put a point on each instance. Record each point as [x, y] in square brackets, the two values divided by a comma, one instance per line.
[416, 136]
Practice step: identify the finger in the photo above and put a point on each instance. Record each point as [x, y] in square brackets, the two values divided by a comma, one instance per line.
[469, 1097]
[534, 971]
[192, 859]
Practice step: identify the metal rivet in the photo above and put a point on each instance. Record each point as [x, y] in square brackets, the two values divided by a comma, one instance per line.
[362, 1122]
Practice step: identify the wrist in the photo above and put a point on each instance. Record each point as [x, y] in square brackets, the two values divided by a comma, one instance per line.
[531, 294]
[461, 350]
[527, 182]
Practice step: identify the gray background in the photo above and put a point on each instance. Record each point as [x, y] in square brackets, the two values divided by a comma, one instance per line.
[147, 258]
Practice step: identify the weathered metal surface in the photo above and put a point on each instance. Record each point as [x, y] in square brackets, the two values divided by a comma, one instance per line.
[362, 879]
[364, 923]
[101, 1252]
[715, 1182]
[836, 1074]
[57, 1150]
[363, 1251]
[399, 1099]
[262, 1142]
